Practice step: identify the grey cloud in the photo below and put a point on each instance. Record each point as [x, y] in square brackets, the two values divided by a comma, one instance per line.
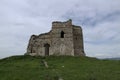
[93, 12]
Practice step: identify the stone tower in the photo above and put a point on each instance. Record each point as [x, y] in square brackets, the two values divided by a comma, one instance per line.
[63, 39]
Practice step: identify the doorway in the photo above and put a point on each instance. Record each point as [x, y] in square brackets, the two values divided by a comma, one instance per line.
[46, 49]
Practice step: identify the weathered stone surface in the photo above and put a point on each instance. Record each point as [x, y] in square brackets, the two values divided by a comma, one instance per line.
[63, 39]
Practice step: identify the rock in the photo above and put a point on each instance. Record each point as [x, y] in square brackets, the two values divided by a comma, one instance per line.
[44, 63]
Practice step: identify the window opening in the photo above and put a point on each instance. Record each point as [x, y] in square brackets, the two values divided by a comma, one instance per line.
[62, 34]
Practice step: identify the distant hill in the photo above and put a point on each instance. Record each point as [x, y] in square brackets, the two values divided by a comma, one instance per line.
[117, 58]
[113, 58]
[59, 68]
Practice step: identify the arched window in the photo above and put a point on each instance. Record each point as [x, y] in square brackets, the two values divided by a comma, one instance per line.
[62, 34]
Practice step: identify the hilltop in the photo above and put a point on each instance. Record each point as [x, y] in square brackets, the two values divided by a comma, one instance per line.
[64, 67]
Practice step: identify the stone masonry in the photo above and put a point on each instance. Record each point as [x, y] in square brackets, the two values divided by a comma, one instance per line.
[64, 39]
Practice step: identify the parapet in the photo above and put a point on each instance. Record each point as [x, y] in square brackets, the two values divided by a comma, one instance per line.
[57, 24]
[77, 27]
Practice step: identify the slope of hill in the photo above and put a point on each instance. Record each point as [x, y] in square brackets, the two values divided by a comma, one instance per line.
[59, 68]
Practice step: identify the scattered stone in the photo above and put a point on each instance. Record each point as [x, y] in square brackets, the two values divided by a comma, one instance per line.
[60, 79]
[63, 66]
[44, 63]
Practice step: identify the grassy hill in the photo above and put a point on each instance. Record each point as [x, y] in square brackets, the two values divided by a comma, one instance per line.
[64, 67]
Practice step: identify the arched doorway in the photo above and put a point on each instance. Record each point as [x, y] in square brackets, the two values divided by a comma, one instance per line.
[46, 49]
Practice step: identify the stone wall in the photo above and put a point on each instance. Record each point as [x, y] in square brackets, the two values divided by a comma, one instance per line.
[78, 40]
[63, 39]
[62, 46]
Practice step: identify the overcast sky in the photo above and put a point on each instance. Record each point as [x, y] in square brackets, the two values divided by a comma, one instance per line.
[100, 20]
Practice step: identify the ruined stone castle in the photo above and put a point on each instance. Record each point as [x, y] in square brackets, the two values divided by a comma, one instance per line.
[64, 39]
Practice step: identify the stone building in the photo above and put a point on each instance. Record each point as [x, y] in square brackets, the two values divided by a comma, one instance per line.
[64, 39]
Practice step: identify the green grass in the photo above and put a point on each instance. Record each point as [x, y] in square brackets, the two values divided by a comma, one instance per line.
[66, 67]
